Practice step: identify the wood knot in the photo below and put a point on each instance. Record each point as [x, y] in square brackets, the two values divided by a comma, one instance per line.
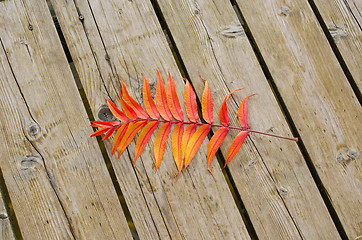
[336, 32]
[283, 192]
[31, 162]
[346, 155]
[30, 27]
[233, 31]
[3, 215]
[33, 130]
[105, 114]
[284, 11]
[81, 17]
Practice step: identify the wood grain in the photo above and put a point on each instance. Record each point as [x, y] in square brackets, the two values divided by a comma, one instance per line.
[343, 19]
[55, 174]
[6, 231]
[318, 96]
[122, 39]
[271, 176]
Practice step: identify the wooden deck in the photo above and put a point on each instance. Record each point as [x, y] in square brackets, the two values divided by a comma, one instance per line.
[60, 59]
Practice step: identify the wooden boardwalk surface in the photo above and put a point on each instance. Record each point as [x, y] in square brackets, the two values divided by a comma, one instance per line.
[60, 59]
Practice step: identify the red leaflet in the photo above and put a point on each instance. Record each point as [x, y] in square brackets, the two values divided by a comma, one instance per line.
[105, 124]
[235, 146]
[223, 112]
[141, 113]
[99, 132]
[130, 113]
[160, 142]
[119, 136]
[195, 142]
[243, 113]
[214, 144]
[176, 142]
[190, 103]
[189, 131]
[148, 101]
[131, 132]
[143, 138]
[116, 112]
[206, 104]
[108, 134]
[161, 99]
[172, 100]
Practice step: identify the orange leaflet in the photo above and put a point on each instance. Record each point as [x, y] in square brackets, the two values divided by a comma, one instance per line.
[105, 124]
[161, 99]
[119, 136]
[189, 131]
[176, 141]
[243, 113]
[235, 146]
[160, 142]
[206, 104]
[190, 103]
[141, 113]
[108, 134]
[144, 137]
[148, 101]
[99, 132]
[214, 144]
[195, 142]
[223, 112]
[131, 132]
[116, 112]
[130, 113]
[172, 100]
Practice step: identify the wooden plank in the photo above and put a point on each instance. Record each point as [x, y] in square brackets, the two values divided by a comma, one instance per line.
[6, 231]
[126, 40]
[318, 97]
[271, 176]
[343, 19]
[56, 176]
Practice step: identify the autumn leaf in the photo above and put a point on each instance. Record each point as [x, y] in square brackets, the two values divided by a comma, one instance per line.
[108, 134]
[116, 112]
[190, 103]
[119, 136]
[144, 137]
[243, 113]
[140, 112]
[195, 142]
[189, 131]
[160, 142]
[223, 112]
[150, 105]
[186, 137]
[131, 132]
[176, 143]
[130, 113]
[100, 132]
[235, 146]
[214, 144]
[172, 100]
[207, 105]
[161, 99]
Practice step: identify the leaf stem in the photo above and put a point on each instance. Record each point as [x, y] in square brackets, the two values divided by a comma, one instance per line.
[219, 126]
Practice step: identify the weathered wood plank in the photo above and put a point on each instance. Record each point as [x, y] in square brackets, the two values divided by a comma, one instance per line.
[318, 97]
[271, 176]
[129, 42]
[6, 231]
[343, 19]
[56, 176]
